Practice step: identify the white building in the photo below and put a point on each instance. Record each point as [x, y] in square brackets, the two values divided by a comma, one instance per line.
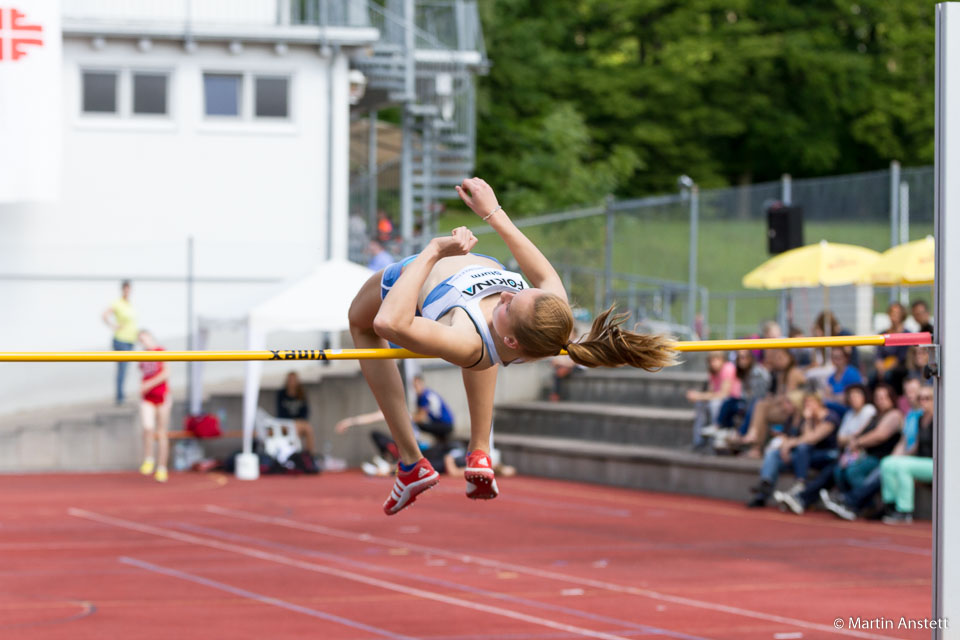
[222, 121]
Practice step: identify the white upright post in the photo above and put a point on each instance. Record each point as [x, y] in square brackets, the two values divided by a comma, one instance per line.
[946, 555]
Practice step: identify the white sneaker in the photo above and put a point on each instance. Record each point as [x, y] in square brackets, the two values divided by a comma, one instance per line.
[370, 469]
[838, 509]
[709, 430]
[384, 467]
[789, 500]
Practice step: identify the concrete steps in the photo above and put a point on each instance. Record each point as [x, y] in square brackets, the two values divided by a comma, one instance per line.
[593, 422]
[665, 389]
[632, 465]
[80, 439]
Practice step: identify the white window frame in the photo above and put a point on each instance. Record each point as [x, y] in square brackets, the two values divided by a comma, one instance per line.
[253, 96]
[167, 74]
[100, 115]
[244, 96]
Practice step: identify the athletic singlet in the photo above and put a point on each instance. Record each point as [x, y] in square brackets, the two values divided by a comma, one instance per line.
[464, 290]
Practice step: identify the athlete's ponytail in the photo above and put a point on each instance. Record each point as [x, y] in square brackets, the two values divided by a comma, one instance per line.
[610, 345]
[606, 345]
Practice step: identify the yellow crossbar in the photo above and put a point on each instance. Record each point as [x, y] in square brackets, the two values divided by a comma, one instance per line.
[904, 339]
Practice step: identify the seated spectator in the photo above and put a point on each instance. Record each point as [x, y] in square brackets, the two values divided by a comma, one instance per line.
[910, 401]
[380, 258]
[844, 375]
[858, 414]
[917, 360]
[810, 442]
[911, 461]
[563, 367]
[850, 474]
[432, 415]
[804, 357]
[455, 461]
[772, 410]
[292, 405]
[722, 383]
[827, 321]
[754, 384]
[891, 362]
[769, 329]
[921, 314]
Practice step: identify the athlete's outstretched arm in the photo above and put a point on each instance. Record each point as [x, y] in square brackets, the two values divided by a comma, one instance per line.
[397, 319]
[479, 196]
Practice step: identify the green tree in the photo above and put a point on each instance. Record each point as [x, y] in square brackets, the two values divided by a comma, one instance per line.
[587, 96]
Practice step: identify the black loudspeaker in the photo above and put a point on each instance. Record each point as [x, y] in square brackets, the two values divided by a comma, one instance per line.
[784, 228]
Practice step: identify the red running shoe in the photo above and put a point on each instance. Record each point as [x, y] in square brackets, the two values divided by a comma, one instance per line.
[409, 484]
[481, 483]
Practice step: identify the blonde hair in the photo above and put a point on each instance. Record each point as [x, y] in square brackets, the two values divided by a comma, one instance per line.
[548, 330]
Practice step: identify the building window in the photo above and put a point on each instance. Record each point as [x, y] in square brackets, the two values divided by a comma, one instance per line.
[271, 97]
[149, 94]
[99, 92]
[221, 94]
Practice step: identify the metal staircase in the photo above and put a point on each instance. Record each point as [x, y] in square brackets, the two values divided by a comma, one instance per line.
[437, 53]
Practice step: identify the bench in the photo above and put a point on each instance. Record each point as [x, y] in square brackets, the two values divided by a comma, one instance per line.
[183, 434]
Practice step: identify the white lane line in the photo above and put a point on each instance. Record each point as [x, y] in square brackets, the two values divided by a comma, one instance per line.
[541, 573]
[340, 573]
[276, 602]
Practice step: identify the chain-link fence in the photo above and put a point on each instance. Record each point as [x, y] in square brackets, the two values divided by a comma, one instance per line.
[637, 252]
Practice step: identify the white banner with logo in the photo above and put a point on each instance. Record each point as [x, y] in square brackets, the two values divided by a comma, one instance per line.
[31, 114]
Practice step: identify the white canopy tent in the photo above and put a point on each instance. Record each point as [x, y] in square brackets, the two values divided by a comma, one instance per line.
[318, 302]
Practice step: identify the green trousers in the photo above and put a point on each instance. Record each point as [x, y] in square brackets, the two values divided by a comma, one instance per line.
[897, 475]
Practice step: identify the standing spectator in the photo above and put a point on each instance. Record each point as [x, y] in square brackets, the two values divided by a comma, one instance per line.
[122, 318]
[384, 227]
[722, 383]
[380, 258]
[844, 375]
[911, 461]
[921, 313]
[154, 412]
[292, 405]
[811, 444]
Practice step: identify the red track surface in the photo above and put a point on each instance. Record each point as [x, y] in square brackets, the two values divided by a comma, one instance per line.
[119, 556]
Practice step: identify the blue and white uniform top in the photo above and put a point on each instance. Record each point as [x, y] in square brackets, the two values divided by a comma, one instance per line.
[465, 289]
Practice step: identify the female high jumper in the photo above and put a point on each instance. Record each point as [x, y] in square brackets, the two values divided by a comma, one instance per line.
[470, 311]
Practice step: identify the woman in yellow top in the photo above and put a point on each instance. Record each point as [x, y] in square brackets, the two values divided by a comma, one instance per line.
[124, 325]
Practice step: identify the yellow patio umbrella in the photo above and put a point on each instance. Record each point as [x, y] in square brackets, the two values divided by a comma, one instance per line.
[825, 264]
[911, 263]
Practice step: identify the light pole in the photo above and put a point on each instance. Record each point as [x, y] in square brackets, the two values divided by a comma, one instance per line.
[690, 187]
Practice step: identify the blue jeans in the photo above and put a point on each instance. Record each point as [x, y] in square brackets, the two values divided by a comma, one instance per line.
[729, 410]
[121, 366]
[802, 458]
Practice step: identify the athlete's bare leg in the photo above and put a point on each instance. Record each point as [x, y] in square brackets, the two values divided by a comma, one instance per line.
[382, 376]
[480, 387]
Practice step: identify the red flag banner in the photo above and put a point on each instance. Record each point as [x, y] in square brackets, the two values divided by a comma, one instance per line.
[31, 113]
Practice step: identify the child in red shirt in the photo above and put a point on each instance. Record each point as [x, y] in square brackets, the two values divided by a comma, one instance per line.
[154, 412]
